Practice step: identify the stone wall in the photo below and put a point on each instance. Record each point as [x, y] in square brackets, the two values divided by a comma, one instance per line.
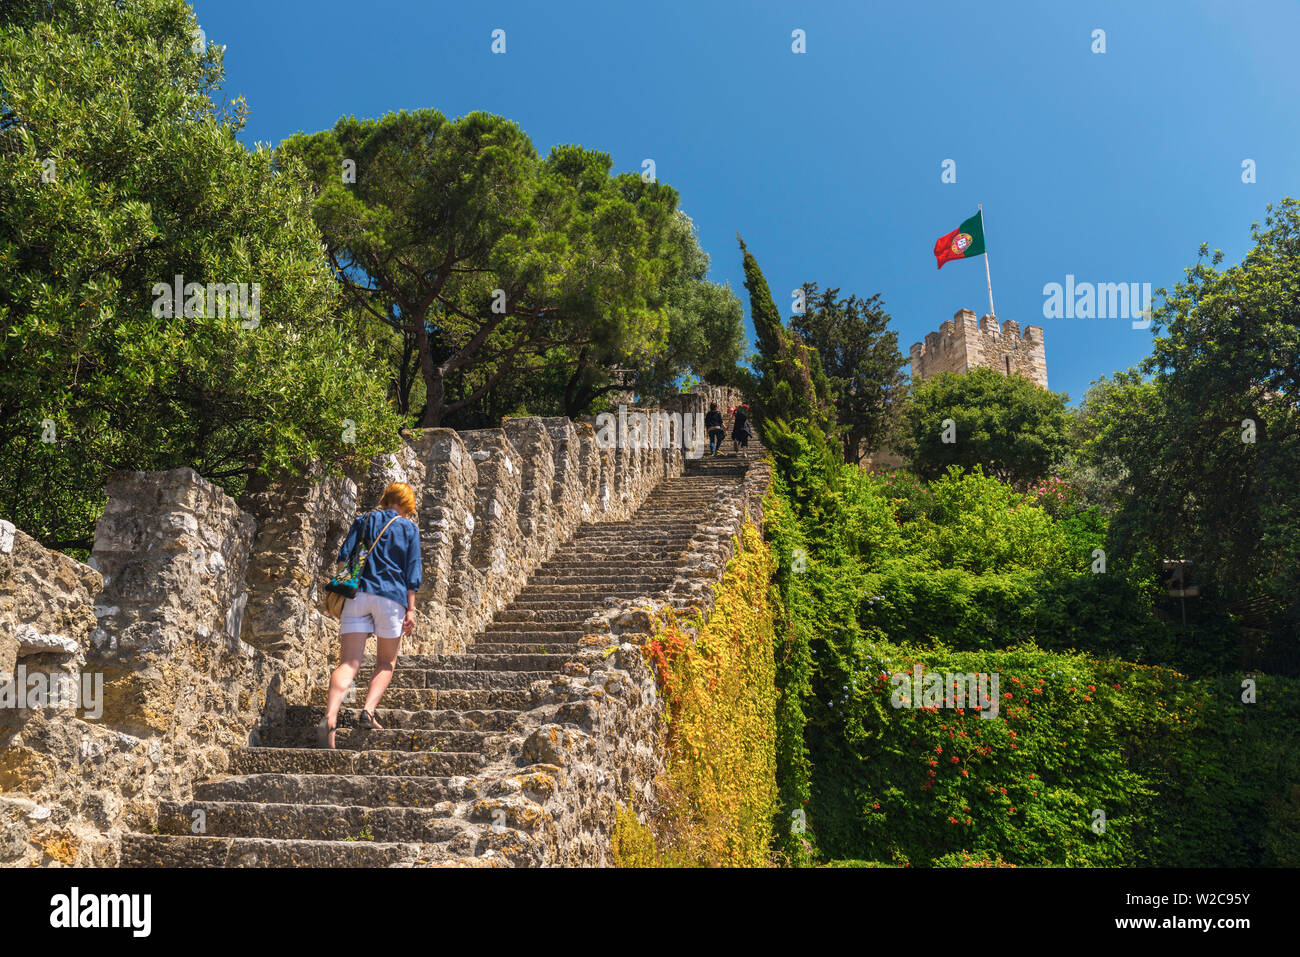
[199, 617]
[963, 343]
[166, 685]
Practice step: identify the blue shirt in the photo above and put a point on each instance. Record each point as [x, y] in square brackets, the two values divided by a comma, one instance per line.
[393, 566]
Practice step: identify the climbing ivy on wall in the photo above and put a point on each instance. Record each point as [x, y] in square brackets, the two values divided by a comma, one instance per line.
[718, 681]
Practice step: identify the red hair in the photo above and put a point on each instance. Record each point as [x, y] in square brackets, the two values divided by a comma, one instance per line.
[399, 496]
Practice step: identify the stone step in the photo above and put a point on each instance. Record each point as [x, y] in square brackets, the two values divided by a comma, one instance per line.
[645, 538]
[441, 720]
[649, 537]
[434, 699]
[615, 558]
[359, 790]
[625, 543]
[547, 617]
[490, 743]
[571, 621]
[658, 531]
[612, 565]
[415, 666]
[614, 571]
[318, 822]
[325, 761]
[525, 632]
[619, 587]
[665, 528]
[685, 493]
[674, 511]
[630, 580]
[169, 850]
[412, 677]
[700, 482]
[541, 604]
[595, 594]
[523, 647]
[484, 680]
[676, 520]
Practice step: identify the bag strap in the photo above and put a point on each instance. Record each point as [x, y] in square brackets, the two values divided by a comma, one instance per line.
[365, 552]
[371, 548]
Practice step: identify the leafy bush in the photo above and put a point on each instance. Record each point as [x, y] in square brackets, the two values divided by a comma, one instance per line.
[1184, 773]
[969, 561]
[965, 574]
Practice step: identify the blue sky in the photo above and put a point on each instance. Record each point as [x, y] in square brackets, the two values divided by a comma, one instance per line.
[1113, 167]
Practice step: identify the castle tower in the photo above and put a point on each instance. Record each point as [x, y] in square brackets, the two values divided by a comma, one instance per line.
[964, 343]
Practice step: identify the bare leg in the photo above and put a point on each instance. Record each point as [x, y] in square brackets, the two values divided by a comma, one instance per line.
[353, 647]
[385, 662]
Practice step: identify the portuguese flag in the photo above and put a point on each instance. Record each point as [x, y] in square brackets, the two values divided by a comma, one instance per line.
[965, 241]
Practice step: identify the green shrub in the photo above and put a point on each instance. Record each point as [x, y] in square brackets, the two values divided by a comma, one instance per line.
[1183, 772]
[965, 574]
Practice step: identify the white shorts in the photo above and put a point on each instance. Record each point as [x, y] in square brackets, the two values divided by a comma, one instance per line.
[372, 614]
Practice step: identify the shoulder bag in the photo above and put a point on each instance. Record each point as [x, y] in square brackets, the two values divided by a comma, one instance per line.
[346, 583]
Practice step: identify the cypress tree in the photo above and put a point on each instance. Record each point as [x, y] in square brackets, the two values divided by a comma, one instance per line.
[785, 365]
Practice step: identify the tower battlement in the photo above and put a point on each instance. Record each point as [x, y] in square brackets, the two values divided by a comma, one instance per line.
[964, 343]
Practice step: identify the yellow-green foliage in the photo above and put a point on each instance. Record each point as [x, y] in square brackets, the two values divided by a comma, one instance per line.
[719, 694]
[634, 843]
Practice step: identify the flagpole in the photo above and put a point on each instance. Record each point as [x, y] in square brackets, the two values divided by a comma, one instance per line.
[987, 277]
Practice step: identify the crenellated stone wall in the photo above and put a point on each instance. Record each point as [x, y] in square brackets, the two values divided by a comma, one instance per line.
[962, 343]
[166, 685]
[199, 616]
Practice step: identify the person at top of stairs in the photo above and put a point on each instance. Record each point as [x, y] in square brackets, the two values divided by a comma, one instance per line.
[384, 604]
[713, 422]
[741, 429]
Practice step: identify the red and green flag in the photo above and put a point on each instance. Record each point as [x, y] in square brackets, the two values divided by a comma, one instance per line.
[965, 241]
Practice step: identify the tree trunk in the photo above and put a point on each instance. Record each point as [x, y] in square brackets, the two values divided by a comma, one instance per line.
[435, 383]
[435, 389]
[572, 387]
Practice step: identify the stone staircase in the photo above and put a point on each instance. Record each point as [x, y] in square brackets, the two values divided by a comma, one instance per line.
[407, 795]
